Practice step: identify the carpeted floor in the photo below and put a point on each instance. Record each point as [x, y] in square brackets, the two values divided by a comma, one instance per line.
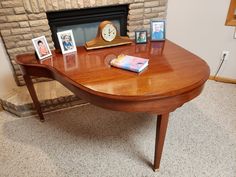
[92, 142]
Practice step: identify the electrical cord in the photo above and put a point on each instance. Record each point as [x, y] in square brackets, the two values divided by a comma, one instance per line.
[221, 63]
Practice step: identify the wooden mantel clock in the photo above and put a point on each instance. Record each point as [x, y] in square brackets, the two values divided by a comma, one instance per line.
[107, 36]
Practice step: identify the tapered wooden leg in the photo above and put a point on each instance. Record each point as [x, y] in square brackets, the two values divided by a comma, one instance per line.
[33, 95]
[162, 122]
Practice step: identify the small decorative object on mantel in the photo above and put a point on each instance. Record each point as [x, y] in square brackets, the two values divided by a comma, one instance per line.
[107, 36]
[67, 42]
[41, 47]
[158, 30]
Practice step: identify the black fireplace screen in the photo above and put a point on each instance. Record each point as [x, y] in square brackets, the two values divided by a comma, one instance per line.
[84, 22]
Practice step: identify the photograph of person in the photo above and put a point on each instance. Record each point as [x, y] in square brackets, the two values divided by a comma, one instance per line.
[41, 47]
[67, 42]
[157, 30]
[140, 37]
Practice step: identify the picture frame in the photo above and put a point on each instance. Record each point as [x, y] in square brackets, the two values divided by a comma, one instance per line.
[158, 30]
[41, 47]
[66, 41]
[141, 37]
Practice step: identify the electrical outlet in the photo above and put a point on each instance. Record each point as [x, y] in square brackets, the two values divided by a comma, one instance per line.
[225, 55]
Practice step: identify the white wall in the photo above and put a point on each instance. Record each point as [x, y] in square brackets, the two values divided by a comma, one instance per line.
[198, 25]
[7, 82]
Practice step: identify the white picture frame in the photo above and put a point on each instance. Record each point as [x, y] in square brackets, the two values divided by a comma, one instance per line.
[41, 47]
[66, 41]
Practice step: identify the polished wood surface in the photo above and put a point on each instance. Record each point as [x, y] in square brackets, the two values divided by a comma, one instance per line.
[173, 72]
[174, 76]
[161, 127]
[223, 79]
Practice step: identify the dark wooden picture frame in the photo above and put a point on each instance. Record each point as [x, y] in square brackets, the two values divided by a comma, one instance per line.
[158, 30]
[141, 37]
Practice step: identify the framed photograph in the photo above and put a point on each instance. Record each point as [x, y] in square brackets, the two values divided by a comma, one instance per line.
[41, 47]
[158, 30]
[67, 41]
[140, 37]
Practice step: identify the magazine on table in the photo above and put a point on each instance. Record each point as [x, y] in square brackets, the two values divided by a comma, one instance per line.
[131, 63]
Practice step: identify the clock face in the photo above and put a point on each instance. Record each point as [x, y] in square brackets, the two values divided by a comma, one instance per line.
[109, 32]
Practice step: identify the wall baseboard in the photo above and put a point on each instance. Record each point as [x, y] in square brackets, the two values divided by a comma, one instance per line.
[223, 79]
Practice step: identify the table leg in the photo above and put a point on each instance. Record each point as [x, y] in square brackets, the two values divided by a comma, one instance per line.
[33, 95]
[161, 127]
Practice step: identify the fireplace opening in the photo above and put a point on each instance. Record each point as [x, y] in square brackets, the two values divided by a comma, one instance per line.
[84, 22]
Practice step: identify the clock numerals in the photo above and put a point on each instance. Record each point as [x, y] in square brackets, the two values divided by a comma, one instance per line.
[109, 32]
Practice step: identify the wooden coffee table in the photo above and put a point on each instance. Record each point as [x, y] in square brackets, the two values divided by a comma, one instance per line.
[174, 76]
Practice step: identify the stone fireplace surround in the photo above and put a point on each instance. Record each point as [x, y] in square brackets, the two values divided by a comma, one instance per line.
[22, 20]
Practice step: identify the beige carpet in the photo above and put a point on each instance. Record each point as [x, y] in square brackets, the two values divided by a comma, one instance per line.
[89, 141]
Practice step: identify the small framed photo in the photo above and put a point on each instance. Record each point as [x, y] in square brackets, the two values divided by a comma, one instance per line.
[41, 47]
[158, 30]
[140, 37]
[67, 41]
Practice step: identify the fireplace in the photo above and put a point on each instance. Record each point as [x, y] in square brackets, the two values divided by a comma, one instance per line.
[84, 22]
[23, 20]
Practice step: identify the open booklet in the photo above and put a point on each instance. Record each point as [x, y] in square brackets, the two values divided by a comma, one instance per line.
[131, 63]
